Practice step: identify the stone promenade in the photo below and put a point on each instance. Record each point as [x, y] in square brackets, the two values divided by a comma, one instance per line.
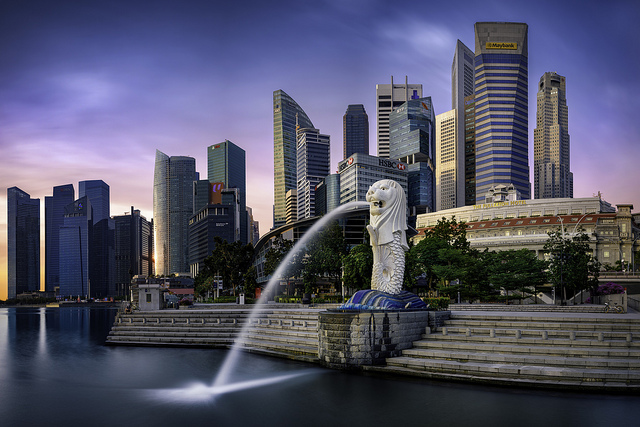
[563, 347]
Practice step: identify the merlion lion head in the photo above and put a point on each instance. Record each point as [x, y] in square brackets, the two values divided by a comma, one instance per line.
[388, 210]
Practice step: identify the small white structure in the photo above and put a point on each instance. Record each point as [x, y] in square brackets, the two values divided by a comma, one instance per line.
[150, 296]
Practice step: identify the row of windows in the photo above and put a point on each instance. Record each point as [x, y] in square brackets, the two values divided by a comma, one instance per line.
[511, 138]
[495, 101]
[503, 167]
[501, 95]
[517, 89]
[502, 67]
[496, 152]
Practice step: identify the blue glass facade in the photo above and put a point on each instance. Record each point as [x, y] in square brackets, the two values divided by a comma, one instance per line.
[501, 107]
[54, 219]
[226, 163]
[23, 242]
[74, 249]
[412, 141]
[355, 131]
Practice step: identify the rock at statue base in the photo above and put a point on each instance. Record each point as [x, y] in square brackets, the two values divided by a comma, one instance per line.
[369, 299]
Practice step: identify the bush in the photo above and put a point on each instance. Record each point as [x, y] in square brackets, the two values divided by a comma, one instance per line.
[441, 303]
[288, 300]
[610, 288]
[185, 301]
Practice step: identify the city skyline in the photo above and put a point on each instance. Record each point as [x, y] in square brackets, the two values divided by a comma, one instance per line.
[90, 93]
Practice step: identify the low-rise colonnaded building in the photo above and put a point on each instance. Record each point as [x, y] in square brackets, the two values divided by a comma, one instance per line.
[517, 224]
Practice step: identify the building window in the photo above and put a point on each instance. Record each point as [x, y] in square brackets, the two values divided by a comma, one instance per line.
[606, 254]
[149, 298]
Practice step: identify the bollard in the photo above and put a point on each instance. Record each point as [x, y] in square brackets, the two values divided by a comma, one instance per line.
[444, 330]
[545, 335]
[601, 336]
[468, 332]
[518, 333]
[492, 333]
[572, 335]
[427, 330]
[629, 337]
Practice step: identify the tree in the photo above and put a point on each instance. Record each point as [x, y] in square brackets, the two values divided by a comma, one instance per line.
[324, 255]
[231, 261]
[517, 270]
[358, 264]
[442, 257]
[276, 253]
[573, 267]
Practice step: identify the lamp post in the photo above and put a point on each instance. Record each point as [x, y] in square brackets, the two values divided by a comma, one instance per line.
[561, 262]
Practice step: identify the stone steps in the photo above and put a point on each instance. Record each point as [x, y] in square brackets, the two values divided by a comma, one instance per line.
[278, 332]
[591, 352]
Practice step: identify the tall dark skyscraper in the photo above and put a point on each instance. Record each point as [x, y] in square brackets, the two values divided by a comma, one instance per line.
[552, 174]
[54, 219]
[285, 111]
[355, 131]
[173, 179]
[23, 242]
[501, 107]
[133, 249]
[226, 163]
[102, 243]
[412, 141]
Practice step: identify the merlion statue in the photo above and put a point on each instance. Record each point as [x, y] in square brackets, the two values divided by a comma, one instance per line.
[387, 230]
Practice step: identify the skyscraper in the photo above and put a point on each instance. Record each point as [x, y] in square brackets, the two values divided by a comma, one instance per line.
[449, 173]
[226, 164]
[469, 151]
[462, 72]
[355, 131]
[551, 160]
[173, 179]
[101, 240]
[75, 243]
[501, 107]
[54, 219]
[388, 97]
[313, 159]
[133, 249]
[412, 141]
[23, 242]
[285, 111]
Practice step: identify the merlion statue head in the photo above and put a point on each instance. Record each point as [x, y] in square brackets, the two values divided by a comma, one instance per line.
[388, 210]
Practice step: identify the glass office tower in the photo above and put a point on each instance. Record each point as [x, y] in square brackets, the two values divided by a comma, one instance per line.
[172, 207]
[54, 219]
[313, 158]
[501, 107]
[412, 141]
[226, 164]
[285, 110]
[23, 242]
[355, 131]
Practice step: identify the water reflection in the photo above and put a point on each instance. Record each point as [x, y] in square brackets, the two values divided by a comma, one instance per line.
[60, 373]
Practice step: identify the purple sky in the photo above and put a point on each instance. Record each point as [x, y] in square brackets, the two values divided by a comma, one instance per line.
[89, 90]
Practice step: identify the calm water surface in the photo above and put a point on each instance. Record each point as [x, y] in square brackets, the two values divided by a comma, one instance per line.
[56, 371]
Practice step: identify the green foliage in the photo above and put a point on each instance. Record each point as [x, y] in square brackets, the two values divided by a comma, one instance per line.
[358, 264]
[287, 299]
[324, 256]
[329, 299]
[572, 267]
[440, 303]
[517, 270]
[232, 262]
[276, 253]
